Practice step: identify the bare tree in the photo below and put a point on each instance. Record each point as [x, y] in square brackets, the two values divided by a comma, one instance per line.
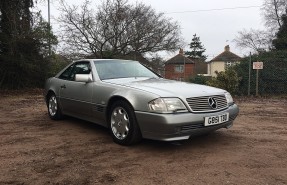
[117, 28]
[261, 40]
[272, 11]
[256, 40]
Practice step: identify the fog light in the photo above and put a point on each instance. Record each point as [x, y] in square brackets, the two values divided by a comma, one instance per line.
[177, 129]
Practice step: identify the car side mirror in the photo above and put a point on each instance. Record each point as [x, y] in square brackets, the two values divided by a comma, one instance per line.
[83, 78]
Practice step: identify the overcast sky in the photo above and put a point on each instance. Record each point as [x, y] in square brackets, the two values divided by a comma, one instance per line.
[216, 28]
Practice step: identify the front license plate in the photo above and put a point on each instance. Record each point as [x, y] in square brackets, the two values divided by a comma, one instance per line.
[214, 120]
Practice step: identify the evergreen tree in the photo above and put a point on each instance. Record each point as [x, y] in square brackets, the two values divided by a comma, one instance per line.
[280, 43]
[22, 46]
[197, 49]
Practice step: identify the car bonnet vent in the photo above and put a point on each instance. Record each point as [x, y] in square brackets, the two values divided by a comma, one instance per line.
[98, 108]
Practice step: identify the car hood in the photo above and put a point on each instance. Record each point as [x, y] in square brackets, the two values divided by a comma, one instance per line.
[167, 88]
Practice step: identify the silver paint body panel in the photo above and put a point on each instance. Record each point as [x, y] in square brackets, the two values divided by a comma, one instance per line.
[90, 101]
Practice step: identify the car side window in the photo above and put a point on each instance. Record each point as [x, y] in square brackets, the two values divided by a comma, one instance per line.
[80, 68]
[66, 74]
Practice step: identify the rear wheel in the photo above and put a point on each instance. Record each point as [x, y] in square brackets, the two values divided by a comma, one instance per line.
[123, 124]
[54, 110]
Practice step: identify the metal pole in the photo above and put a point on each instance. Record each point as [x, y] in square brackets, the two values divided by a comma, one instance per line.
[249, 76]
[257, 74]
[183, 68]
[49, 28]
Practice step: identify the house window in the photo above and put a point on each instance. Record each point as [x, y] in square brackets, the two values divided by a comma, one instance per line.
[178, 68]
[228, 64]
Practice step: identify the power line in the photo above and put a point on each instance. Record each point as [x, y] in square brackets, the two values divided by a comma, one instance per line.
[216, 9]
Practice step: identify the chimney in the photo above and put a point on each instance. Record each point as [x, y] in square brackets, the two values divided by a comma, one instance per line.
[181, 51]
[227, 48]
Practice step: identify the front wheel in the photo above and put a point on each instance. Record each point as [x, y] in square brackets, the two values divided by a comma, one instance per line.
[123, 124]
[54, 110]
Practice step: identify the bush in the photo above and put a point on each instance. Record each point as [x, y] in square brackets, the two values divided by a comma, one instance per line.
[227, 80]
[199, 79]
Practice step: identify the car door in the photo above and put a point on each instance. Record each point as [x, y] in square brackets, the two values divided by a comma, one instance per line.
[76, 97]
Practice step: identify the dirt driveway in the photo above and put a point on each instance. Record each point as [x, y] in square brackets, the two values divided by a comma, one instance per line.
[37, 150]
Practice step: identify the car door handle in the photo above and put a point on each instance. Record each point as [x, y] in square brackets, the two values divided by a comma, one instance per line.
[63, 86]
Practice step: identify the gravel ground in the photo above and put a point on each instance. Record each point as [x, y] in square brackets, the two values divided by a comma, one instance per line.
[37, 150]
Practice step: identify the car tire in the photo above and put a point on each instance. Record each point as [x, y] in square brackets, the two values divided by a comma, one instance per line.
[123, 124]
[54, 109]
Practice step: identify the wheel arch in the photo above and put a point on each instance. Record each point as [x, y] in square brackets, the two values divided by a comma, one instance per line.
[111, 101]
[48, 94]
[133, 133]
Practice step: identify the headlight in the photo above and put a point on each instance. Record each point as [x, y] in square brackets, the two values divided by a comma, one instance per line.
[167, 105]
[229, 98]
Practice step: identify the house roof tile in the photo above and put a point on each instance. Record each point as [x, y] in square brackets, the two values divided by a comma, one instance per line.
[227, 55]
[179, 59]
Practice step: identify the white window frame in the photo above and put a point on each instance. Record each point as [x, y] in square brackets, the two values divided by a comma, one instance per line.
[228, 64]
[179, 68]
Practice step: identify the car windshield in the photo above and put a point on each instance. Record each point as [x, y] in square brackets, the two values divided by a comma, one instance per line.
[111, 69]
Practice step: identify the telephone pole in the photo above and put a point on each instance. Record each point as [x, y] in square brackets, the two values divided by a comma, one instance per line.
[49, 28]
[249, 74]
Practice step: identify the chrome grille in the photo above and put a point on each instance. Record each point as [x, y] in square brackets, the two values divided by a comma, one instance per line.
[200, 104]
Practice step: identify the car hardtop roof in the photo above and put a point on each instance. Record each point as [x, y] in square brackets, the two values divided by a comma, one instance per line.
[81, 60]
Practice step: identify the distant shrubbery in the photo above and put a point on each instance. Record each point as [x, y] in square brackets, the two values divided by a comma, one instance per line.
[272, 78]
[199, 79]
[227, 80]
[57, 63]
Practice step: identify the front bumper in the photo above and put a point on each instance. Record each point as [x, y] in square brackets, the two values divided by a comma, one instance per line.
[170, 127]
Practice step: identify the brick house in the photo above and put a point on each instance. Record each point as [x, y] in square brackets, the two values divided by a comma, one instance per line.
[200, 66]
[179, 67]
[222, 61]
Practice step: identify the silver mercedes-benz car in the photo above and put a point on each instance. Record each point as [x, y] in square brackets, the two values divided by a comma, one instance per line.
[135, 103]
